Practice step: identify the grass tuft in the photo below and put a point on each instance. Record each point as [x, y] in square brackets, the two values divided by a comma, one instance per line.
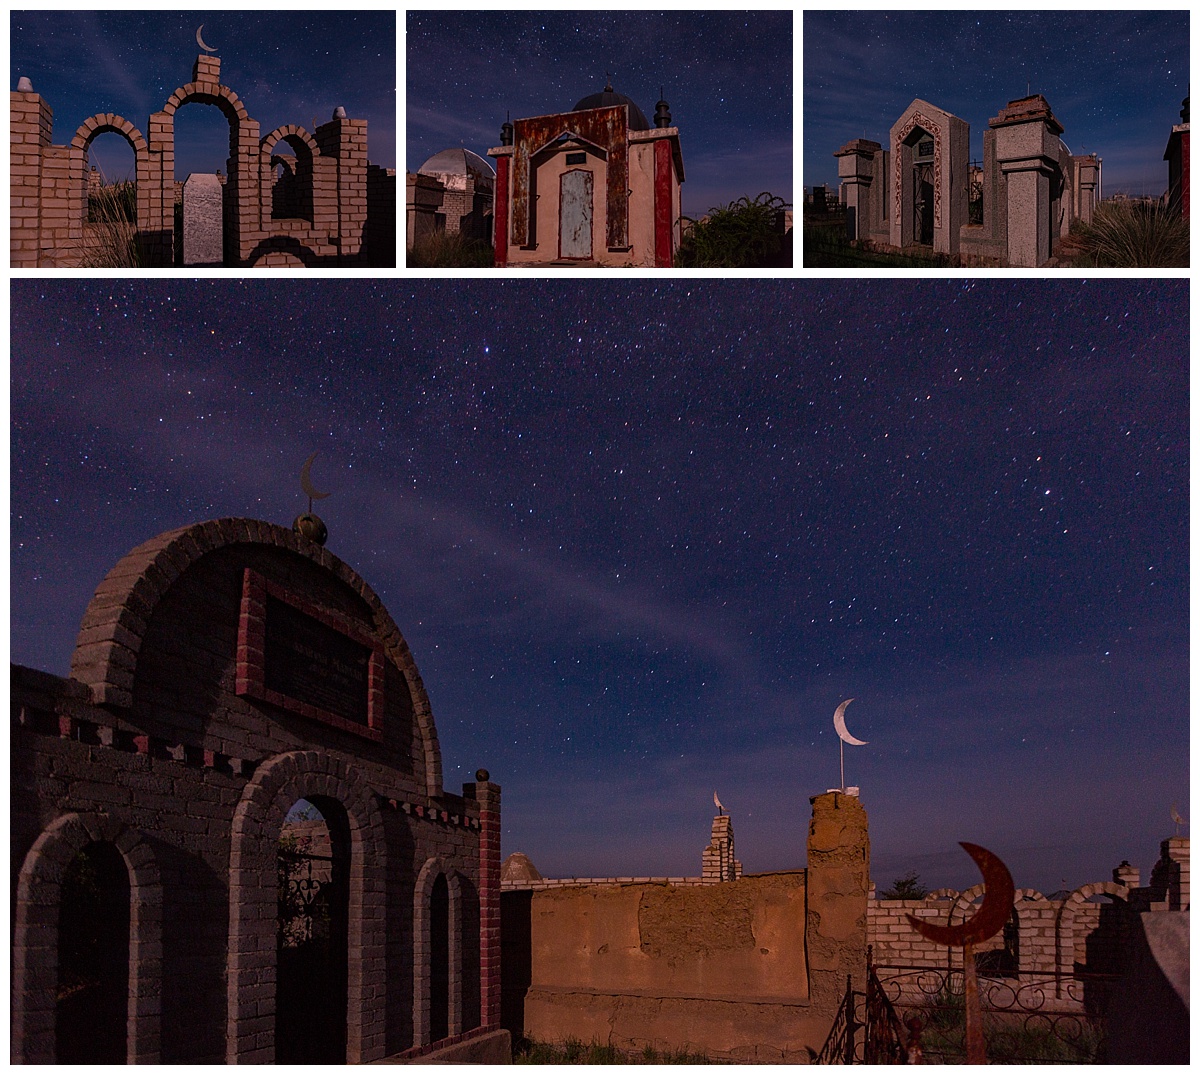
[447, 250]
[1131, 235]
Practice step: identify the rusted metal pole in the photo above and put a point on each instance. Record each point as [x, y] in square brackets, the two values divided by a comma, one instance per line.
[975, 1053]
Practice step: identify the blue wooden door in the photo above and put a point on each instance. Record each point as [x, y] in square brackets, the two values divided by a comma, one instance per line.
[575, 215]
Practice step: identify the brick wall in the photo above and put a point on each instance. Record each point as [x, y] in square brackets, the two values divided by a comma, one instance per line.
[330, 207]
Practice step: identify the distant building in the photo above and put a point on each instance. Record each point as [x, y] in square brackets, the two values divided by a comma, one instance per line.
[453, 191]
[595, 185]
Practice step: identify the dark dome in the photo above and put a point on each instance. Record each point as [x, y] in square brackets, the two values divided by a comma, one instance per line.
[637, 121]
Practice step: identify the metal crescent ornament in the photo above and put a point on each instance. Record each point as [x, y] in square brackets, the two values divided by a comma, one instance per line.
[306, 479]
[200, 40]
[839, 724]
[1175, 815]
[998, 894]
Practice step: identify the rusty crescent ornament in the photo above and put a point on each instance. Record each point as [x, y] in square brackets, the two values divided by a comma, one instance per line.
[306, 479]
[993, 912]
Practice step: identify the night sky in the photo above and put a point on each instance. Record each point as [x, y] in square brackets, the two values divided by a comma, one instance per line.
[285, 66]
[1114, 79]
[642, 538]
[727, 76]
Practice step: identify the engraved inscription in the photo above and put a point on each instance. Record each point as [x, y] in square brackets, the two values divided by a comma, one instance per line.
[312, 663]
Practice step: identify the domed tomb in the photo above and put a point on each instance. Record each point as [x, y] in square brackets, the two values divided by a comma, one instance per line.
[607, 98]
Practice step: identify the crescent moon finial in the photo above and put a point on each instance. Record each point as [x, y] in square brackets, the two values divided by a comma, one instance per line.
[200, 40]
[839, 724]
[998, 894]
[306, 480]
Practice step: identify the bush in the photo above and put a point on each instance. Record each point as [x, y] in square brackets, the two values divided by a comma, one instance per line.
[1128, 235]
[445, 250]
[741, 235]
[908, 887]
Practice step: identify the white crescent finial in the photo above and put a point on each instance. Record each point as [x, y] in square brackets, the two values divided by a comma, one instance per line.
[200, 40]
[839, 724]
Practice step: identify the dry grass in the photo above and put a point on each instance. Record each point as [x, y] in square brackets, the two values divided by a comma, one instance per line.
[1128, 235]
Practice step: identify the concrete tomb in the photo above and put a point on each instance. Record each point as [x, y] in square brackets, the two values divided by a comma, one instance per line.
[918, 191]
[596, 185]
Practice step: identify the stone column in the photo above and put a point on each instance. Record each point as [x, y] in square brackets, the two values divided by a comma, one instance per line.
[1027, 150]
[1087, 170]
[856, 171]
[837, 880]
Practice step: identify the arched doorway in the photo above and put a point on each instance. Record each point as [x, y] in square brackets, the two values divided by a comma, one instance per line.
[439, 959]
[91, 1000]
[922, 186]
[312, 948]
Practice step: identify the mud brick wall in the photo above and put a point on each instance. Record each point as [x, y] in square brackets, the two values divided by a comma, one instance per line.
[751, 969]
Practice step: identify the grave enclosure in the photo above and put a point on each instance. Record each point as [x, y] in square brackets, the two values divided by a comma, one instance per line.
[322, 204]
[917, 191]
[166, 907]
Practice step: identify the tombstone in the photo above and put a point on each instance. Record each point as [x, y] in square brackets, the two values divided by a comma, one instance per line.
[203, 231]
[931, 177]
[856, 169]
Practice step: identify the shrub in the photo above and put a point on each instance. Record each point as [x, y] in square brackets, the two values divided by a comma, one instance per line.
[742, 234]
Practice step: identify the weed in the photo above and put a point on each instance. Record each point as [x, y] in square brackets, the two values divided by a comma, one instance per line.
[445, 250]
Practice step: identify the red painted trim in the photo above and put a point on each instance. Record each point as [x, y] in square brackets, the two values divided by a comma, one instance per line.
[500, 213]
[251, 657]
[663, 252]
[489, 905]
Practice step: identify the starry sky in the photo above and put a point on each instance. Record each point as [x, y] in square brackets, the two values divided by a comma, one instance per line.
[642, 538]
[285, 66]
[727, 76]
[1114, 79]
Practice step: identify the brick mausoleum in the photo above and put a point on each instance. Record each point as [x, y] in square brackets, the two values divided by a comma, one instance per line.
[230, 838]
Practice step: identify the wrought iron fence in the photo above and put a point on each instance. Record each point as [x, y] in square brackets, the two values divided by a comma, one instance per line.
[843, 1046]
[1027, 1018]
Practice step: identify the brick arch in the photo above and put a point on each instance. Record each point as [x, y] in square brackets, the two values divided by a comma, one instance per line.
[116, 619]
[307, 154]
[209, 93]
[104, 122]
[253, 894]
[241, 187]
[89, 130]
[1064, 932]
[35, 937]
[422, 943]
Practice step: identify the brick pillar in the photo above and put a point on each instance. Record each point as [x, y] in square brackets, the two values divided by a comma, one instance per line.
[664, 253]
[500, 221]
[30, 124]
[345, 140]
[487, 795]
[717, 862]
[207, 69]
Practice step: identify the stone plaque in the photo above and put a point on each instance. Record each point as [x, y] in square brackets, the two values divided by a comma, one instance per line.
[203, 225]
[309, 660]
